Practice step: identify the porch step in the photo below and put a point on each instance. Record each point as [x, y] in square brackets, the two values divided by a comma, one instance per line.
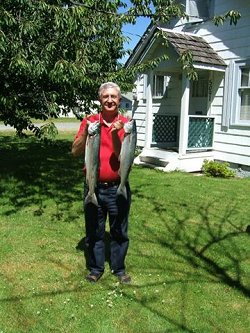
[154, 160]
[169, 160]
[157, 157]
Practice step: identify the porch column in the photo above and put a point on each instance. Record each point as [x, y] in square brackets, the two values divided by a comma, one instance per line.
[184, 120]
[149, 111]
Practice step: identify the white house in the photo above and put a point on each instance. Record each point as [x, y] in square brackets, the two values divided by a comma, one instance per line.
[181, 122]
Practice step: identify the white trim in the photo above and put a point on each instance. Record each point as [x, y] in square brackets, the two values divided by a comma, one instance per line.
[184, 115]
[227, 98]
[233, 90]
[149, 113]
[145, 82]
[148, 47]
[164, 87]
[140, 46]
[210, 67]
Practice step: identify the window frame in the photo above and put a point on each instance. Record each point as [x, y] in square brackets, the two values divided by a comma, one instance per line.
[166, 79]
[234, 90]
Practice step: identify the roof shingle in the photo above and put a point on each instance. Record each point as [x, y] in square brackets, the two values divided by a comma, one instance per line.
[202, 52]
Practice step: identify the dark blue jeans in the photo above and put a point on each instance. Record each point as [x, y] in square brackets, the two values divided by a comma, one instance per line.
[116, 208]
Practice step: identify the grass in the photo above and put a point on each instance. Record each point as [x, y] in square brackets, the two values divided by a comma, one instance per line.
[189, 251]
[55, 120]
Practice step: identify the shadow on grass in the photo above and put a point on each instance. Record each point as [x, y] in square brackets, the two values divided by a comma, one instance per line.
[33, 172]
[82, 246]
[211, 236]
[216, 251]
[213, 249]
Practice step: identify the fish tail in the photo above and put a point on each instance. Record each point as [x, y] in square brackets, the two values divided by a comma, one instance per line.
[91, 198]
[122, 190]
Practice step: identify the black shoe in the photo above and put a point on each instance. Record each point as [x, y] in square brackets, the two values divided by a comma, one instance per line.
[124, 278]
[91, 277]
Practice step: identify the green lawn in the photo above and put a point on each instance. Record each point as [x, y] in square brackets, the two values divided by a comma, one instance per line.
[55, 120]
[189, 251]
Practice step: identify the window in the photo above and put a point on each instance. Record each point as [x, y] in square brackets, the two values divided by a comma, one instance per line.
[199, 88]
[198, 10]
[160, 83]
[237, 94]
[244, 93]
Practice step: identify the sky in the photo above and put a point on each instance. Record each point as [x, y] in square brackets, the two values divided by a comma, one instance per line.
[134, 32]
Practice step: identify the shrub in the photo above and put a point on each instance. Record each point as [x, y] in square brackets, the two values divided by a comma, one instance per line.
[217, 169]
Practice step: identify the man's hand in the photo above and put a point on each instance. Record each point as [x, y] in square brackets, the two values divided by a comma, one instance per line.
[117, 125]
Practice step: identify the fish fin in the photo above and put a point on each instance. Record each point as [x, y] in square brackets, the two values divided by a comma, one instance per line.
[122, 190]
[91, 198]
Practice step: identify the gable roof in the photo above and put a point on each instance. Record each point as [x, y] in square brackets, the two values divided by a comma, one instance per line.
[203, 54]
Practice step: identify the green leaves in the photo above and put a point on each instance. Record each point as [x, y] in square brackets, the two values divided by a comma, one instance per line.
[217, 169]
[52, 54]
[233, 16]
[57, 52]
[186, 59]
[48, 132]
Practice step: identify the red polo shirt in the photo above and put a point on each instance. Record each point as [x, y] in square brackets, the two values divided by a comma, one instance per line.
[109, 163]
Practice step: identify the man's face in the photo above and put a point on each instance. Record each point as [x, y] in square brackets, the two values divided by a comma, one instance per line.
[110, 100]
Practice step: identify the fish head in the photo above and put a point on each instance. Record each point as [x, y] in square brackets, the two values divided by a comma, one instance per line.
[94, 128]
[130, 126]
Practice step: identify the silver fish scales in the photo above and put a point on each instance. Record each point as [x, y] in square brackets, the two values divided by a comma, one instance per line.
[127, 155]
[92, 161]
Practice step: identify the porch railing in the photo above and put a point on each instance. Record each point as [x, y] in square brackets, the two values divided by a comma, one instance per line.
[200, 132]
[164, 129]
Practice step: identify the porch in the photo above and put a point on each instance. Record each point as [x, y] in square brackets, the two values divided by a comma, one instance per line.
[164, 152]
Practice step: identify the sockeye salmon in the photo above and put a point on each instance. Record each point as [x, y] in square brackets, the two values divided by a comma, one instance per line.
[127, 155]
[92, 160]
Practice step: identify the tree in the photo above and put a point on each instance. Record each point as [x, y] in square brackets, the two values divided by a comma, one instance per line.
[56, 53]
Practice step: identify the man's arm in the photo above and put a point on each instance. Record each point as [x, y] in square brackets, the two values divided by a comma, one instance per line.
[78, 146]
[115, 137]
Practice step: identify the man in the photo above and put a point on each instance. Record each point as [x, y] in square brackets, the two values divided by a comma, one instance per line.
[109, 204]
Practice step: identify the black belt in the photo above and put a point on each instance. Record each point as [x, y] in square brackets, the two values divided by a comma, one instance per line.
[108, 184]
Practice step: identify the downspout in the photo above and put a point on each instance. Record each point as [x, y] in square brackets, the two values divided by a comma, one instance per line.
[184, 119]
[149, 111]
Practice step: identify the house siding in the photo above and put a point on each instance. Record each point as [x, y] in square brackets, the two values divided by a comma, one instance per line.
[169, 105]
[231, 144]
[141, 125]
[139, 110]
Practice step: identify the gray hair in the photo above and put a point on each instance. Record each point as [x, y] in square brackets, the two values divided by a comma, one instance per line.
[108, 85]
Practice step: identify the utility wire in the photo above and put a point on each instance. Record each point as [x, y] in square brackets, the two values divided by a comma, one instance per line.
[113, 13]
